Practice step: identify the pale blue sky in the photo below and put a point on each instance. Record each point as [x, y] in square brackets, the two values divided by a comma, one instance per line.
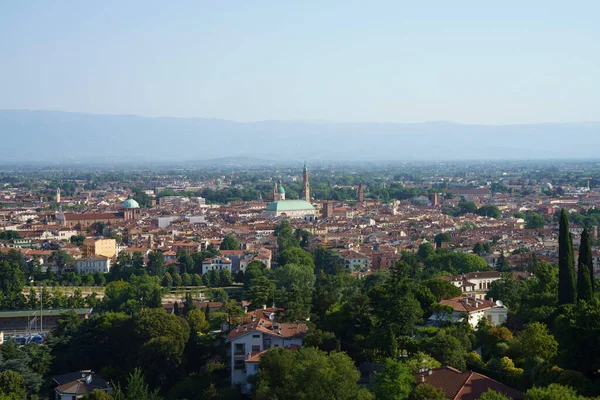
[397, 61]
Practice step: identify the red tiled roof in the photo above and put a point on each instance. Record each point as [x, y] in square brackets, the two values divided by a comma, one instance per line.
[467, 304]
[467, 385]
[288, 330]
[81, 217]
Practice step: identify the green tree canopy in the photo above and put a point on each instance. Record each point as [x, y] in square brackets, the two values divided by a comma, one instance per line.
[229, 243]
[393, 382]
[308, 374]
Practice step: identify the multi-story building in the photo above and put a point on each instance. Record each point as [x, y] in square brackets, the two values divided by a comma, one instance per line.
[473, 309]
[474, 283]
[248, 342]
[100, 247]
[216, 263]
[94, 264]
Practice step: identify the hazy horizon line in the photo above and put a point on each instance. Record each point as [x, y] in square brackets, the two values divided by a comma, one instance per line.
[305, 120]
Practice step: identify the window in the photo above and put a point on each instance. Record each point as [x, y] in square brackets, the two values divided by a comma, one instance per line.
[255, 349]
[256, 336]
[267, 344]
[239, 364]
[240, 349]
[255, 367]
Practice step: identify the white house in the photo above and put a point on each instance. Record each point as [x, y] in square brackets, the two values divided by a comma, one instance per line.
[93, 264]
[217, 263]
[476, 283]
[355, 261]
[474, 309]
[250, 341]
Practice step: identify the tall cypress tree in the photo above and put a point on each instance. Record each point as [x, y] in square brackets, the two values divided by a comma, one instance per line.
[584, 278]
[566, 275]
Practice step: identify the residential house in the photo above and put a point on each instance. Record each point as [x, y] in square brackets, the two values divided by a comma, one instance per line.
[474, 309]
[249, 340]
[467, 385]
[216, 263]
[75, 385]
[93, 264]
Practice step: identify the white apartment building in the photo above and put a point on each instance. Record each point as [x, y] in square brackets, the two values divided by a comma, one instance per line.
[93, 264]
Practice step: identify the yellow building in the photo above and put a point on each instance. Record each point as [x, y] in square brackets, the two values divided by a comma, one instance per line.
[100, 247]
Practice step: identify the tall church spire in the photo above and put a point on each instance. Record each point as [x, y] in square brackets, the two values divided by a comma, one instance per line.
[305, 184]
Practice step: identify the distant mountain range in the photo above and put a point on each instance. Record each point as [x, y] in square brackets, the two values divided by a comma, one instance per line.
[47, 136]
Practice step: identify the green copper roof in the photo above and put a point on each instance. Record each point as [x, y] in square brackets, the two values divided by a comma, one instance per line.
[130, 203]
[290, 205]
[281, 189]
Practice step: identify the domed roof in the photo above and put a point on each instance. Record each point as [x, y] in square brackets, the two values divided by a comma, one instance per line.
[290, 205]
[281, 189]
[130, 203]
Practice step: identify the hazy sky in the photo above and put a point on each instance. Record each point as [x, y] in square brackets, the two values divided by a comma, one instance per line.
[398, 61]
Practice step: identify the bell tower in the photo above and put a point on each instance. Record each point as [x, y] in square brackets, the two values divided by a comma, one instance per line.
[305, 184]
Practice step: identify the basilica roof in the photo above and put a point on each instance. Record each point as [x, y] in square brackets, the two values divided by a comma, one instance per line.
[290, 205]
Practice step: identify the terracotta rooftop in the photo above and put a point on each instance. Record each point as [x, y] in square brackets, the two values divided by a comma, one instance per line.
[467, 385]
[467, 304]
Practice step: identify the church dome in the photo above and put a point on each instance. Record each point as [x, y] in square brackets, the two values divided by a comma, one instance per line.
[130, 203]
[281, 189]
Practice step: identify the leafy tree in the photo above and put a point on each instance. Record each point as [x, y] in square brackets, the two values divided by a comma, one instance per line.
[177, 280]
[261, 291]
[328, 261]
[167, 280]
[67, 323]
[501, 263]
[186, 279]
[534, 221]
[306, 374]
[219, 295]
[294, 289]
[490, 211]
[492, 395]
[535, 341]
[61, 259]
[185, 261]
[196, 280]
[229, 243]
[12, 384]
[585, 278]
[285, 236]
[197, 321]
[322, 340]
[566, 275]
[445, 348]
[552, 392]
[77, 240]
[253, 270]
[11, 285]
[577, 329]
[393, 382]
[156, 262]
[426, 392]
[479, 249]
[136, 387]
[425, 250]
[97, 394]
[441, 238]
[420, 360]
[162, 340]
[442, 289]
[225, 278]
[296, 255]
